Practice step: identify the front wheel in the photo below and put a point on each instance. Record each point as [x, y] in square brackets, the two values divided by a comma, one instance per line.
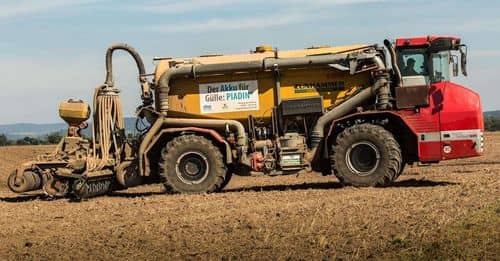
[192, 164]
[366, 155]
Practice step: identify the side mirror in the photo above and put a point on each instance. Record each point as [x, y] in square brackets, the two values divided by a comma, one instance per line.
[463, 59]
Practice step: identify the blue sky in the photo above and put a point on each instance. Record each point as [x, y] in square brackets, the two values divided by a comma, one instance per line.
[54, 49]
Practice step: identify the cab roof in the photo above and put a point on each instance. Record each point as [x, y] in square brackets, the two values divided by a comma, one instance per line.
[424, 40]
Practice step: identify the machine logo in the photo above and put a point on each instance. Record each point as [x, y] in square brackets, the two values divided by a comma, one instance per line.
[207, 107]
[447, 149]
[319, 87]
[229, 96]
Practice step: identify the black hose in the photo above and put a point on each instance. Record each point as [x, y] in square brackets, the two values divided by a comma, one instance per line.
[109, 61]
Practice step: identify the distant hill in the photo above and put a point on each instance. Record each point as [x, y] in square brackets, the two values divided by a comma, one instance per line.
[492, 114]
[21, 130]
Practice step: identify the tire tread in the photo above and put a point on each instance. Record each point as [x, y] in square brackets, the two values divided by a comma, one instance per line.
[378, 132]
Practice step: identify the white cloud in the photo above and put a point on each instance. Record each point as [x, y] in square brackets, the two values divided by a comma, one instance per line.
[187, 6]
[27, 7]
[293, 12]
[232, 24]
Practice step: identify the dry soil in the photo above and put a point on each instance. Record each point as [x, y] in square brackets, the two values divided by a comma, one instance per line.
[289, 217]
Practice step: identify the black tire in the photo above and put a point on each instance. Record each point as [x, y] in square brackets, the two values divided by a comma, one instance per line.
[401, 170]
[127, 175]
[192, 164]
[227, 178]
[366, 155]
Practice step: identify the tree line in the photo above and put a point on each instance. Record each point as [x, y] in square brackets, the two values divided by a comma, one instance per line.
[52, 138]
[492, 123]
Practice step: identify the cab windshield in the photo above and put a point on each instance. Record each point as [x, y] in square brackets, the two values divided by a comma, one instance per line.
[418, 62]
[413, 62]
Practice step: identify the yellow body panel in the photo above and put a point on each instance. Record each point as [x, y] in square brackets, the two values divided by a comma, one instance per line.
[184, 99]
[332, 84]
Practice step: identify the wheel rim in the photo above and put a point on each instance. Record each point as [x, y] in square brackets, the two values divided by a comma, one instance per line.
[192, 167]
[363, 158]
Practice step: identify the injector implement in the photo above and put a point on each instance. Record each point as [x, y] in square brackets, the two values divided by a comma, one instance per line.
[360, 112]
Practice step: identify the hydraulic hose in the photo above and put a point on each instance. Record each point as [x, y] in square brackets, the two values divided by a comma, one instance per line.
[108, 117]
[109, 61]
[146, 89]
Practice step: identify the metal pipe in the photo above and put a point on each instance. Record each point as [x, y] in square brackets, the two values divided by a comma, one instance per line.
[345, 107]
[394, 63]
[241, 137]
[148, 137]
[277, 87]
[305, 61]
[164, 86]
[227, 67]
[348, 105]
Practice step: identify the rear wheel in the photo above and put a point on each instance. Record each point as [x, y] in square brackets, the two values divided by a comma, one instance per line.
[366, 155]
[192, 164]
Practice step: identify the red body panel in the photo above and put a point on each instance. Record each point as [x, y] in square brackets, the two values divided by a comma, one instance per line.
[462, 123]
[461, 108]
[451, 127]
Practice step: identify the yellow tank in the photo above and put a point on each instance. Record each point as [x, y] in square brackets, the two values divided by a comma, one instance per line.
[238, 95]
[74, 112]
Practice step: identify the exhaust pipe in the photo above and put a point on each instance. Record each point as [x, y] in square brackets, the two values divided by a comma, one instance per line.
[394, 63]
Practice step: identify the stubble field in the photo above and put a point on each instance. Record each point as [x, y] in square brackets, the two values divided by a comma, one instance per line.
[450, 210]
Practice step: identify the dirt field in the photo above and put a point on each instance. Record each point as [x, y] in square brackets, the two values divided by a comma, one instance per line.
[451, 210]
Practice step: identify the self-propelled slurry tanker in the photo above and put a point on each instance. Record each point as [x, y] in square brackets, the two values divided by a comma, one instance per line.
[359, 112]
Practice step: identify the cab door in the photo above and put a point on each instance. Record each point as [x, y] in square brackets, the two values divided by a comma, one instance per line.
[422, 101]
